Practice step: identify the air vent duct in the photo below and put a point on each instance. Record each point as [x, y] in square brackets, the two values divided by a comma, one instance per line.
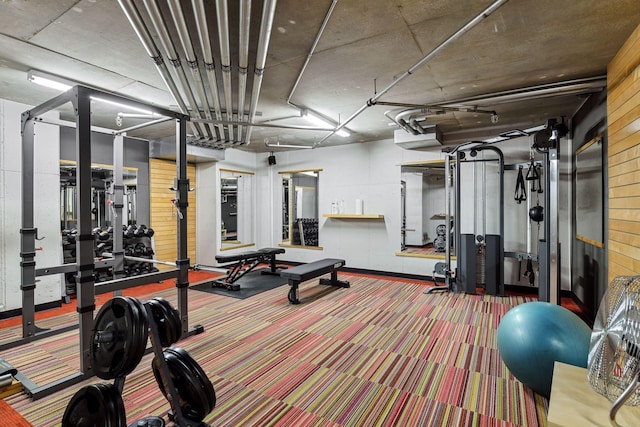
[431, 138]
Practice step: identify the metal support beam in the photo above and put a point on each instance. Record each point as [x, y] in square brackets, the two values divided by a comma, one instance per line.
[182, 202]
[117, 203]
[28, 231]
[549, 247]
[85, 238]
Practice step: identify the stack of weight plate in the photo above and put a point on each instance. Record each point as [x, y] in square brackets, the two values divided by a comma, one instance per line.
[119, 341]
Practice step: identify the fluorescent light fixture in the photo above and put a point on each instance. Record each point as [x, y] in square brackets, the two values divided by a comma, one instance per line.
[121, 105]
[46, 80]
[314, 118]
[58, 83]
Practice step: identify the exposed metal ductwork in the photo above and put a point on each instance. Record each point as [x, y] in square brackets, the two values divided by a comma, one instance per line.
[209, 64]
[268, 13]
[372, 101]
[197, 92]
[411, 118]
[133, 15]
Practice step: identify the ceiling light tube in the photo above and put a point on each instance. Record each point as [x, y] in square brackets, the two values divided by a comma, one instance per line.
[50, 81]
[122, 105]
[314, 118]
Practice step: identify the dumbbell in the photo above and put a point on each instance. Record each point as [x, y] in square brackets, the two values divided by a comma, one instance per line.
[129, 231]
[140, 231]
[71, 236]
[139, 249]
[149, 232]
[104, 235]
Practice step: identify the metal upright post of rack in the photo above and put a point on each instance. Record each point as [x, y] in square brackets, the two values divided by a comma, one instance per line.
[181, 186]
[84, 241]
[117, 205]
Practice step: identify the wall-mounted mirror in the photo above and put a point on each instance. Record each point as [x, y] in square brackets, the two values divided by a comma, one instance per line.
[236, 209]
[589, 193]
[101, 181]
[300, 207]
[423, 228]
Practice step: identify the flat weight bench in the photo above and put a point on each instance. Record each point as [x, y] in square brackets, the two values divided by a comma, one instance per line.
[304, 272]
[244, 263]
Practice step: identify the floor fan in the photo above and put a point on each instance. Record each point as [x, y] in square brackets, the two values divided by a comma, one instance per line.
[614, 354]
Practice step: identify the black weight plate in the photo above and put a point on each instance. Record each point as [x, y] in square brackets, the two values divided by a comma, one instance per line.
[95, 405]
[174, 323]
[127, 325]
[196, 396]
[195, 367]
[149, 422]
[114, 403]
[141, 335]
[160, 317]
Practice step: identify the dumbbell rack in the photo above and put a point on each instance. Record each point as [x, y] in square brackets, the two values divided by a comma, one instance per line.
[131, 244]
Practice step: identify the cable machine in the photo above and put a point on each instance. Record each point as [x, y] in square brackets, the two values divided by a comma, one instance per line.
[465, 277]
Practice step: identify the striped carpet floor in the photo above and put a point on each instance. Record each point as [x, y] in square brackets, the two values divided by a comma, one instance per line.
[381, 353]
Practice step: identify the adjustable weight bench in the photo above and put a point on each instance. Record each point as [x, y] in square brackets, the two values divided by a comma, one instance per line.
[304, 272]
[244, 262]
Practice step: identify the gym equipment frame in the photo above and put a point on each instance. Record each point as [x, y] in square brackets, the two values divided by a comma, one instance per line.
[80, 97]
[495, 243]
[546, 141]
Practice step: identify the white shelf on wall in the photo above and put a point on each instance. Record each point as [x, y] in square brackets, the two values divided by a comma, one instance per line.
[354, 216]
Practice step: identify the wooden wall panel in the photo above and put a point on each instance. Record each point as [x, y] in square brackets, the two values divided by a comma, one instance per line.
[623, 115]
[163, 214]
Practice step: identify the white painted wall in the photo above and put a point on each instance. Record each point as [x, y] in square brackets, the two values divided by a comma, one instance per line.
[46, 206]
[370, 172]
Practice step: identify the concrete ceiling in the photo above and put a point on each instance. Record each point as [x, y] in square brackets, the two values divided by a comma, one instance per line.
[365, 47]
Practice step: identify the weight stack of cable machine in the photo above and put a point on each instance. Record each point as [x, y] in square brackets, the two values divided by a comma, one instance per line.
[476, 268]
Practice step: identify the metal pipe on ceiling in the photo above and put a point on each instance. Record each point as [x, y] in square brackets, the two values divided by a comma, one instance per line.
[209, 64]
[469, 25]
[567, 87]
[268, 14]
[192, 60]
[158, 23]
[133, 16]
[278, 145]
[311, 51]
[243, 62]
[225, 59]
[264, 125]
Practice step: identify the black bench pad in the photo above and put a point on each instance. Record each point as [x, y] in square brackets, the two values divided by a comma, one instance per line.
[308, 271]
[271, 251]
[239, 257]
[305, 272]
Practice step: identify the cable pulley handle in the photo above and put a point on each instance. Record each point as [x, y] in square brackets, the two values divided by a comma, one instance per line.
[539, 182]
[521, 191]
[532, 173]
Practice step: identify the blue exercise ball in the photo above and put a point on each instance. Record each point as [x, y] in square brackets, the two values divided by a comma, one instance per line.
[534, 335]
